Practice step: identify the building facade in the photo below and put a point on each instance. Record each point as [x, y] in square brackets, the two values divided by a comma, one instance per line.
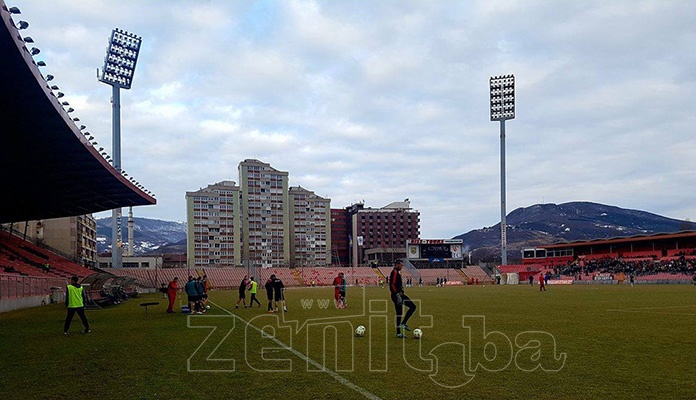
[74, 237]
[310, 228]
[214, 230]
[340, 231]
[264, 223]
[380, 235]
[265, 214]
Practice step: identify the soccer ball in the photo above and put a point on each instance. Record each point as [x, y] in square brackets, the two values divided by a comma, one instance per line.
[207, 307]
[417, 333]
[360, 331]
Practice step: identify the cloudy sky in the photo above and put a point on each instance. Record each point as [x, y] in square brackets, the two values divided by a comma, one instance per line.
[386, 100]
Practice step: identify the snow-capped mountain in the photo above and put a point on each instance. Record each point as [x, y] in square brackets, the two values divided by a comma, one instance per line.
[149, 235]
[555, 223]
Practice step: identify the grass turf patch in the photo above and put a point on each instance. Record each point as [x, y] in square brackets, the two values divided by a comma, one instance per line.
[479, 342]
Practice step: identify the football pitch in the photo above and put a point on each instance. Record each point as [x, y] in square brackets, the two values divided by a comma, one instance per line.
[571, 342]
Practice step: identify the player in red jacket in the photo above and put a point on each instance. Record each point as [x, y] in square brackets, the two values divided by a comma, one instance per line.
[172, 288]
[337, 282]
[542, 283]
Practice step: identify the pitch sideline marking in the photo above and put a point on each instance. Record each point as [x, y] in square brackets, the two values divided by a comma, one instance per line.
[652, 310]
[333, 374]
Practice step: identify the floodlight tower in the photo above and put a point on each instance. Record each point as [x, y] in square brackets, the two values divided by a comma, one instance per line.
[502, 108]
[119, 67]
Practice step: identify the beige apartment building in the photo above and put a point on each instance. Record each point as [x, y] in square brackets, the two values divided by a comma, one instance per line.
[213, 230]
[264, 214]
[261, 223]
[310, 222]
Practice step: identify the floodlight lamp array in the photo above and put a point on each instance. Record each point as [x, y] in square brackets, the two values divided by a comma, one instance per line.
[502, 97]
[121, 58]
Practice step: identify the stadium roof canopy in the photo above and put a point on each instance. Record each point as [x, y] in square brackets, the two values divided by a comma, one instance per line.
[683, 235]
[48, 168]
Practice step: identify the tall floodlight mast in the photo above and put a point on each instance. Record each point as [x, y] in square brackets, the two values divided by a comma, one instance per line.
[502, 109]
[119, 67]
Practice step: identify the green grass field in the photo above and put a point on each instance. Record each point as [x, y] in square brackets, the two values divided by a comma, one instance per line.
[571, 342]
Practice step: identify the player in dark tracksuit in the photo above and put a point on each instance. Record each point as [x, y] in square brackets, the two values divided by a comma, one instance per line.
[269, 293]
[278, 294]
[399, 298]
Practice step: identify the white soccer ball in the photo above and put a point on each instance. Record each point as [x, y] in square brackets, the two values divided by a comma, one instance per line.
[207, 307]
[360, 331]
[417, 333]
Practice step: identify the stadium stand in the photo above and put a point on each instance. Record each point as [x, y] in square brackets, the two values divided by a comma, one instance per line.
[30, 259]
[476, 274]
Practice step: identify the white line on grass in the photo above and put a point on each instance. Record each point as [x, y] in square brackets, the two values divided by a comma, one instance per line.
[345, 382]
[652, 310]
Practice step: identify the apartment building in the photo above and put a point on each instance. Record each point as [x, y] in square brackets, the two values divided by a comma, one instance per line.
[214, 236]
[310, 223]
[265, 214]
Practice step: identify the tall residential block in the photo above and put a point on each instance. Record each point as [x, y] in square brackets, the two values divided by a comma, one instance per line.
[310, 228]
[265, 214]
[214, 230]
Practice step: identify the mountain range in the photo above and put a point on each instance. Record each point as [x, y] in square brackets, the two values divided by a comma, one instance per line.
[561, 223]
[150, 236]
[531, 226]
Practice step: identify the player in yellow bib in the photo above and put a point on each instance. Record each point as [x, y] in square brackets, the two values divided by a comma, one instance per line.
[253, 290]
[75, 301]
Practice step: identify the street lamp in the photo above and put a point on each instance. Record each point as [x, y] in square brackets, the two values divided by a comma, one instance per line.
[502, 108]
[119, 67]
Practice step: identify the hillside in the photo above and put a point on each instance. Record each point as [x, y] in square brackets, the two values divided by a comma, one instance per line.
[557, 223]
[527, 227]
[149, 235]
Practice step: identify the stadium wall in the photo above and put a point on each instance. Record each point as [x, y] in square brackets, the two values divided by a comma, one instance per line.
[17, 291]
[23, 302]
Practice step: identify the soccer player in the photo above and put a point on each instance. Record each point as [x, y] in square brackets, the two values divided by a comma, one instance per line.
[338, 280]
[542, 284]
[171, 293]
[200, 309]
[399, 298]
[204, 297]
[342, 291]
[278, 294]
[242, 292]
[191, 293]
[269, 292]
[75, 301]
[253, 290]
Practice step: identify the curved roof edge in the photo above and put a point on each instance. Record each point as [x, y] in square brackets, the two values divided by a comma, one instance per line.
[48, 168]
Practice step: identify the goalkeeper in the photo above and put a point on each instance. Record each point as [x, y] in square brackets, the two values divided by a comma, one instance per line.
[399, 298]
